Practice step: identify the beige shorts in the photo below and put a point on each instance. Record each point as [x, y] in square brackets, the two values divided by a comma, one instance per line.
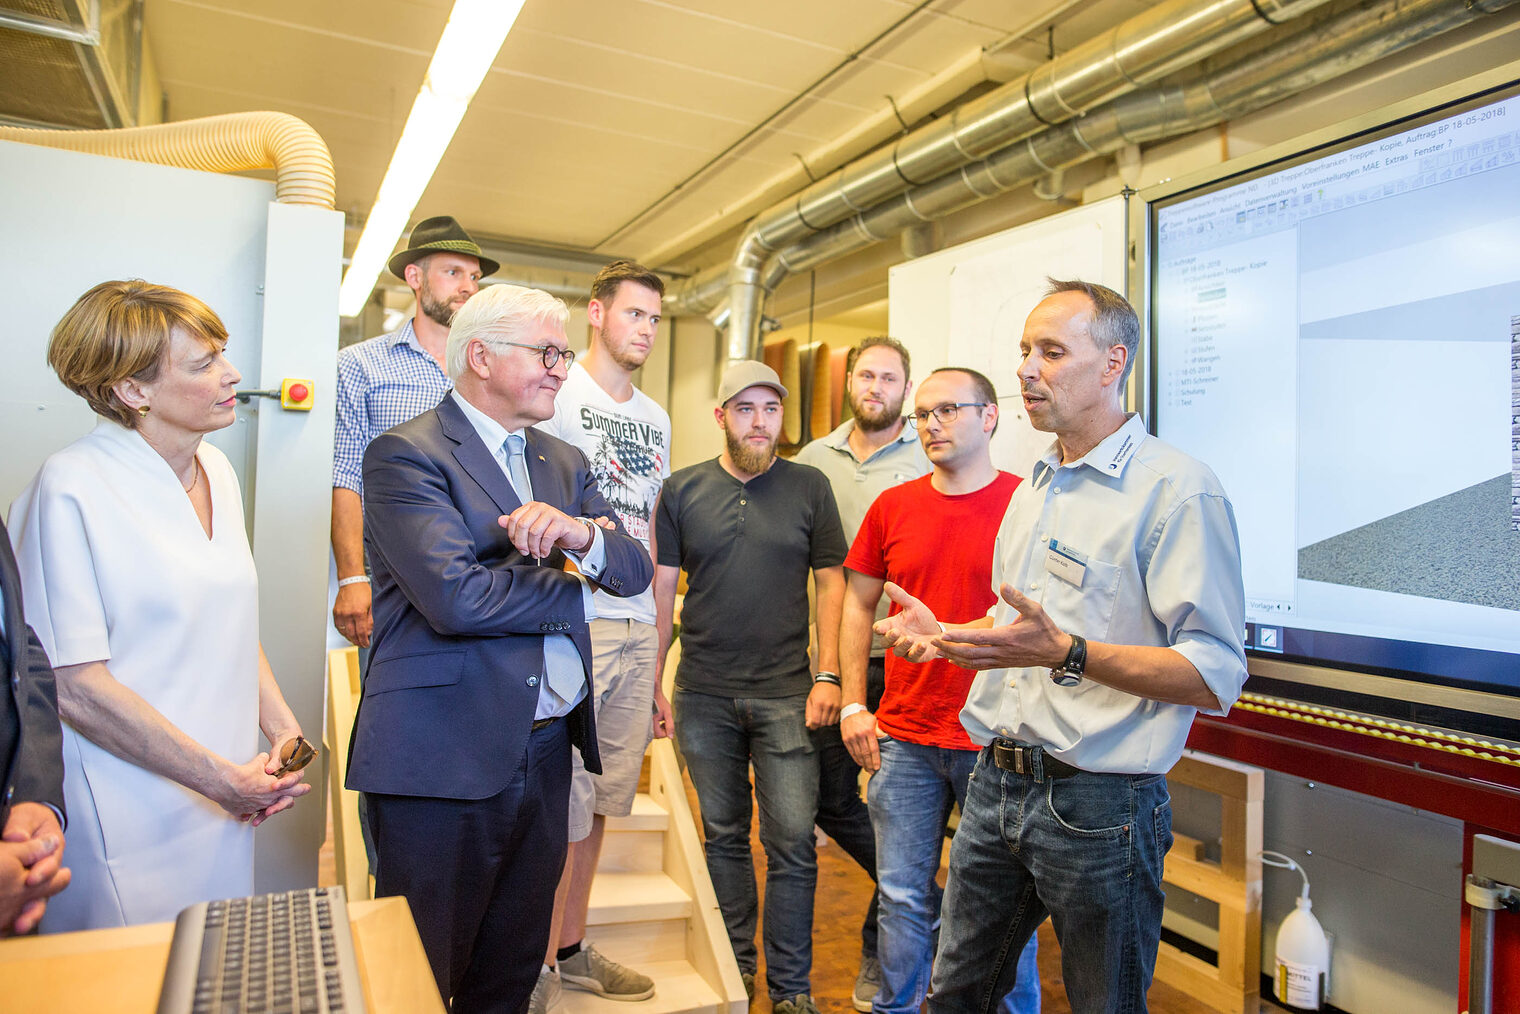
[622, 655]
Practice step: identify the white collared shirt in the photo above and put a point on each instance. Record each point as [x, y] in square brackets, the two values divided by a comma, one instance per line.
[1158, 539]
[560, 653]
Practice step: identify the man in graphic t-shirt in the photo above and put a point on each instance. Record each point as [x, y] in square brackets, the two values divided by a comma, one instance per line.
[934, 537]
[626, 437]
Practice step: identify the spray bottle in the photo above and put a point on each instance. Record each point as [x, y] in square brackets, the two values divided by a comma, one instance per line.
[1303, 952]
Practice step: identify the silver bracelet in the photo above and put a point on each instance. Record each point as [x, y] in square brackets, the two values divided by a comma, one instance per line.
[344, 582]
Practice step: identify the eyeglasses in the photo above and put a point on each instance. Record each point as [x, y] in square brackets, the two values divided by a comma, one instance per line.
[548, 353]
[944, 413]
[295, 755]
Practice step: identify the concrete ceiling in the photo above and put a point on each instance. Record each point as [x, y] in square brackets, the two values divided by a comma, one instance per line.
[606, 127]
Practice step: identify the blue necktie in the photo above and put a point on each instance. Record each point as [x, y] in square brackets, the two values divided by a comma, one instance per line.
[563, 680]
[517, 467]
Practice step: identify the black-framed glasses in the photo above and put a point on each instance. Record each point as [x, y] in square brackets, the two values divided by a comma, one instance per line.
[945, 413]
[295, 754]
[548, 353]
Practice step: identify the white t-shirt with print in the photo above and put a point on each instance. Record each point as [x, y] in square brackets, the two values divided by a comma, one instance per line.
[628, 445]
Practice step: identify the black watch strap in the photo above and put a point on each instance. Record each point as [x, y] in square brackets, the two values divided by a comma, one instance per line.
[1069, 673]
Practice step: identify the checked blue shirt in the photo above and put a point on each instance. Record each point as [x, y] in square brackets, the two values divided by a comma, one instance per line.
[382, 382]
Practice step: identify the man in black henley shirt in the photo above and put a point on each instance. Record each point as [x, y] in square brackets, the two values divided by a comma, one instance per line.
[748, 527]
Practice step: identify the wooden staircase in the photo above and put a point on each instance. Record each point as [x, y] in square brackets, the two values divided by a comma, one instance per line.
[653, 907]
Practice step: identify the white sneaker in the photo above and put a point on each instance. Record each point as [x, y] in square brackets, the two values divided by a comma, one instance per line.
[547, 993]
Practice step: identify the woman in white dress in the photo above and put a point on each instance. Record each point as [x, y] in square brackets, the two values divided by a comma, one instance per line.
[139, 581]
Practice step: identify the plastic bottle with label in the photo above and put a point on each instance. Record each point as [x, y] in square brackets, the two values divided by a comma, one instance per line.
[1303, 959]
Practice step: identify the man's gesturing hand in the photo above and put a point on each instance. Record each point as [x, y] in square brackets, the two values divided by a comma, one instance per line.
[536, 529]
[1031, 640]
[910, 633]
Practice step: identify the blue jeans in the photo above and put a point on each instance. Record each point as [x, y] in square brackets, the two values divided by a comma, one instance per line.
[910, 799]
[720, 738]
[1087, 850]
[841, 814]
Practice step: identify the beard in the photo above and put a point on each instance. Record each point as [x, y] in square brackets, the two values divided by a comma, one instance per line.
[435, 309]
[875, 421]
[621, 356]
[748, 459]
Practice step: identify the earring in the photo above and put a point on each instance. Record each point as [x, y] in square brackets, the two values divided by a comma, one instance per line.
[142, 410]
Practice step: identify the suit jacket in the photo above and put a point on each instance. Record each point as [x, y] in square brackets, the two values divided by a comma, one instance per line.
[31, 741]
[456, 657]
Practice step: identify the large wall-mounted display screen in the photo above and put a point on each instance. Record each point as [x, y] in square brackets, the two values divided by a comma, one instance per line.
[1338, 335]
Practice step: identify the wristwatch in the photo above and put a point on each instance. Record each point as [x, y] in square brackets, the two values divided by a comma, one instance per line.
[1069, 673]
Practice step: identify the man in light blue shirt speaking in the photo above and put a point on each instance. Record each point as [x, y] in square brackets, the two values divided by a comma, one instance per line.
[1120, 616]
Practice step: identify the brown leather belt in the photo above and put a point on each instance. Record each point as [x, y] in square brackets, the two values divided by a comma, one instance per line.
[1029, 760]
[544, 723]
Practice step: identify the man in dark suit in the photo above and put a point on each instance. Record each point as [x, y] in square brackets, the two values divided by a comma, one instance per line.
[31, 765]
[480, 663]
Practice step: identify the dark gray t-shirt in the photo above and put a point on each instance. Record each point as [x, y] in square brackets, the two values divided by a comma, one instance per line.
[747, 549]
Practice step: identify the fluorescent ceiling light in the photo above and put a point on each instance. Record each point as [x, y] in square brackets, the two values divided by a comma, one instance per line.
[469, 45]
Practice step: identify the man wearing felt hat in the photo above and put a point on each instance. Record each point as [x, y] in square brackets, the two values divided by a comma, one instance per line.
[387, 380]
[384, 382]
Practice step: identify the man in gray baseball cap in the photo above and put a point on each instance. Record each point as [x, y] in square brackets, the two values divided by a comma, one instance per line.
[748, 527]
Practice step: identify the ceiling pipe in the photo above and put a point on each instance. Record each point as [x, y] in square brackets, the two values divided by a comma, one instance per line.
[1319, 53]
[1144, 48]
[997, 62]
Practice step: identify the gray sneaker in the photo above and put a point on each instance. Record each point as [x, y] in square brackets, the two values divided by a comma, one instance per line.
[867, 982]
[546, 997]
[592, 971]
[749, 984]
[799, 1004]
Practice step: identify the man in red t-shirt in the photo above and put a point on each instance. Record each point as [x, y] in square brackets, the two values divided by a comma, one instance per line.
[914, 535]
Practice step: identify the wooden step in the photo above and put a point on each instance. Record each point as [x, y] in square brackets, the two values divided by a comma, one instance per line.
[632, 852]
[647, 815]
[639, 943]
[636, 843]
[678, 989]
[636, 897]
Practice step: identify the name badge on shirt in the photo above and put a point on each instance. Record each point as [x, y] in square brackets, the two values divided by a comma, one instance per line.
[1065, 563]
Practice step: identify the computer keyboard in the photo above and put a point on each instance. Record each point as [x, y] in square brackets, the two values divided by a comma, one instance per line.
[284, 953]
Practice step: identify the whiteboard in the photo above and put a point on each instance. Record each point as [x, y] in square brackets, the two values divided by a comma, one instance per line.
[966, 306]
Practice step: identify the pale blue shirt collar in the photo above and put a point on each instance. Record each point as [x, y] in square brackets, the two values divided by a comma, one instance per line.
[407, 335]
[1109, 457]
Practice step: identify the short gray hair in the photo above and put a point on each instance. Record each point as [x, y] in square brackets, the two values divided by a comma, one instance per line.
[1114, 321]
[500, 313]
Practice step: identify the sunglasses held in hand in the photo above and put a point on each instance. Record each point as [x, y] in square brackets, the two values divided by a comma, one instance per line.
[295, 754]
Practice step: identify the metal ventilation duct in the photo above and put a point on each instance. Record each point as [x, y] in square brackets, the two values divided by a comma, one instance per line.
[1320, 52]
[1143, 49]
[70, 63]
[1337, 45]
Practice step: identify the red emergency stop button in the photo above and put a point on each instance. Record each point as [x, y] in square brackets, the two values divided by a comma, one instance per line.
[296, 393]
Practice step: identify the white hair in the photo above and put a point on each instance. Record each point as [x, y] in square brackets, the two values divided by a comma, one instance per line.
[500, 313]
